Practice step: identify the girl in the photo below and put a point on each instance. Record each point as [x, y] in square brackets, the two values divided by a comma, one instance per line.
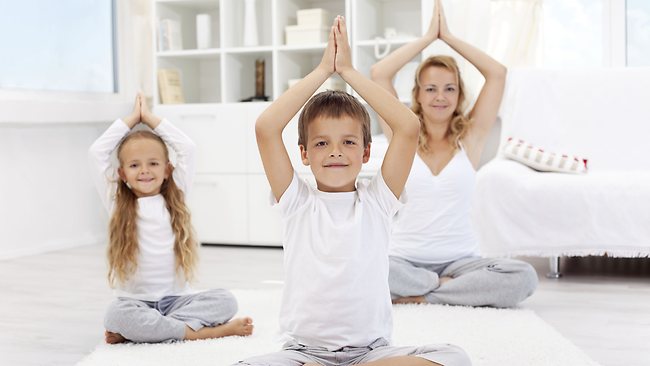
[434, 252]
[152, 250]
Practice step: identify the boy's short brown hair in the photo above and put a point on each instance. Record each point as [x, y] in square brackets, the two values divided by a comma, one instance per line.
[335, 104]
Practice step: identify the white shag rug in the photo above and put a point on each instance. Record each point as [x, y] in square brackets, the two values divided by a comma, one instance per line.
[491, 337]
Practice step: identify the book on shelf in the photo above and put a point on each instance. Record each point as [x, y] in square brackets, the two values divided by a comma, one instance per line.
[170, 86]
[169, 35]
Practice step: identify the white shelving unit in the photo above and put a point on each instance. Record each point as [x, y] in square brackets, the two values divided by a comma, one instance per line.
[230, 197]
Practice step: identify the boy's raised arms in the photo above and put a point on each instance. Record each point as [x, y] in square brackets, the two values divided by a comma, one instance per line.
[275, 118]
[404, 123]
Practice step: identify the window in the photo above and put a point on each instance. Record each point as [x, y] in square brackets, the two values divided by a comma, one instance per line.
[64, 45]
[596, 33]
[572, 33]
[637, 14]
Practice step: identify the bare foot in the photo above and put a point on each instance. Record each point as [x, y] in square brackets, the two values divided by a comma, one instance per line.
[443, 280]
[238, 326]
[410, 300]
[113, 338]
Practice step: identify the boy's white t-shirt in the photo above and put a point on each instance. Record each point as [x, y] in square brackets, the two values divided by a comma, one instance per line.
[336, 264]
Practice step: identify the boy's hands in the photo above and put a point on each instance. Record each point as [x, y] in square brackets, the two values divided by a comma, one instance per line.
[327, 63]
[343, 60]
[337, 56]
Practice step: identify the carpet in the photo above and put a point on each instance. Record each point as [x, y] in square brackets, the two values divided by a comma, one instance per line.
[491, 337]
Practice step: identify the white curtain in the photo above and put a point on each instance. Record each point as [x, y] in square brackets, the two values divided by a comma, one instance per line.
[515, 32]
[135, 39]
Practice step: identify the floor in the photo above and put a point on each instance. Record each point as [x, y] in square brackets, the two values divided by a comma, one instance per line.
[53, 304]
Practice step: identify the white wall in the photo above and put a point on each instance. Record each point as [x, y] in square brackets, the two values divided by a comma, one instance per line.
[47, 199]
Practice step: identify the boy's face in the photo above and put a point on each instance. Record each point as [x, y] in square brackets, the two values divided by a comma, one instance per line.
[143, 165]
[335, 152]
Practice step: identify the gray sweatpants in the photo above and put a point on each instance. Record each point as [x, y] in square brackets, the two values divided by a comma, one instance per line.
[294, 354]
[476, 281]
[166, 319]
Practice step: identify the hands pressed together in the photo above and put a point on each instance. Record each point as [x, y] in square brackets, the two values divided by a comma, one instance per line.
[141, 113]
[337, 56]
[438, 28]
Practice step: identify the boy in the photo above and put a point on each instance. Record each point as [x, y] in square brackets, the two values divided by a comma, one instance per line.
[336, 307]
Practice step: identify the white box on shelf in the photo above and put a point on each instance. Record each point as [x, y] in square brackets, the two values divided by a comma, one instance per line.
[169, 35]
[313, 17]
[203, 31]
[329, 84]
[301, 35]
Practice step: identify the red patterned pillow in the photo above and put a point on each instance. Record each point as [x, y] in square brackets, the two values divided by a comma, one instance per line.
[539, 159]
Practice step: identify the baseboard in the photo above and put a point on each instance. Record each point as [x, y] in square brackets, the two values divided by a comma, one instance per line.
[51, 246]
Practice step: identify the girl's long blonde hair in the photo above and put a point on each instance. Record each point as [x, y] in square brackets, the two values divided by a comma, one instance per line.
[123, 238]
[460, 123]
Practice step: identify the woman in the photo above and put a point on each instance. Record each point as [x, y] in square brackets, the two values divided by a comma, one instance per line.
[434, 251]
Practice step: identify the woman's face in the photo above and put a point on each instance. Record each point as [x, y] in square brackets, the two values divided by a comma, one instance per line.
[438, 94]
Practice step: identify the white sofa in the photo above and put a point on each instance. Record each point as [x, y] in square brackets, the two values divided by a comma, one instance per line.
[603, 115]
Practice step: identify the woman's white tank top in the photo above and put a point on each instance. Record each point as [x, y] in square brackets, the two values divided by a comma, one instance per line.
[435, 224]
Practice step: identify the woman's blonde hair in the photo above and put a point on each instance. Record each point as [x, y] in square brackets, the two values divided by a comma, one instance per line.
[460, 123]
[123, 238]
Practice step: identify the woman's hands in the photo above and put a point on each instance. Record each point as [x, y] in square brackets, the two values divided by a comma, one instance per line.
[438, 28]
[444, 33]
[433, 32]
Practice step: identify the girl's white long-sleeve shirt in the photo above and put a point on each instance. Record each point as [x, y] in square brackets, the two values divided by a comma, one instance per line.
[156, 275]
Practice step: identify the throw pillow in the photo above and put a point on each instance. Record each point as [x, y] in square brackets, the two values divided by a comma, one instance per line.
[542, 160]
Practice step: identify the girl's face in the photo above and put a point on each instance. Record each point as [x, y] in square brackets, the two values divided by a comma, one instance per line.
[144, 166]
[438, 93]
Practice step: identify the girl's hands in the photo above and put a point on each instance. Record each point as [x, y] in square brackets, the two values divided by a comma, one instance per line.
[146, 115]
[134, 118]
[343, 60]
[444, 29]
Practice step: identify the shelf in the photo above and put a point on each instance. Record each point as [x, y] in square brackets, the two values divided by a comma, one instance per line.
[306, 48]
[200, 77]
[286, 14]
[191, 4]
[225, 72]
[240, 75]
[384, 42]
[401, 15]
[234, 24]
[185, 13]
[191, 54]
[242, 50]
